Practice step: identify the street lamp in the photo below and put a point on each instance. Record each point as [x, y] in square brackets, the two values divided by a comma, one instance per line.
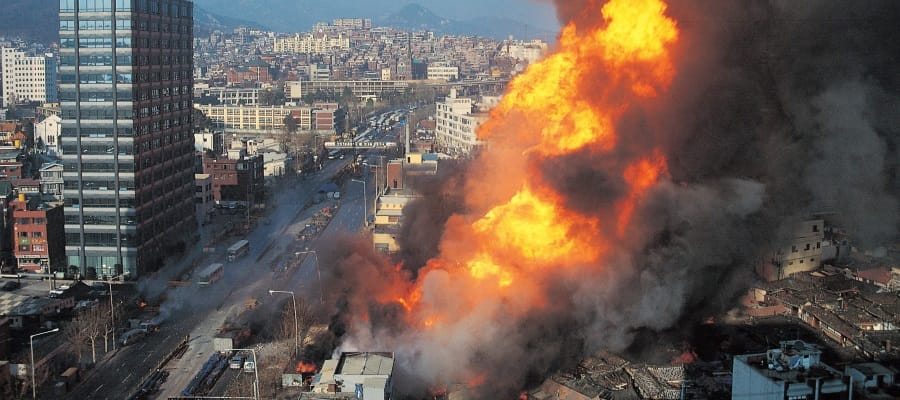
[365, 202]
[296, 328]
[318, 272]
[255, 371]
[112, 312]
[31, 341]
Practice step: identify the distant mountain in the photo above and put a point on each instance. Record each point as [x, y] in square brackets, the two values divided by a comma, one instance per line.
[416, 17]
[38, 20]
[522, 18]
[205, 21]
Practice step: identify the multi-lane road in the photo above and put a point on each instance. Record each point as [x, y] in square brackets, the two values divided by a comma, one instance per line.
[199, 312]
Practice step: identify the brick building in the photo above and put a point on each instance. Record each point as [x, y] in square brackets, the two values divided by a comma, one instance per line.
[236, 180]
[38, 234]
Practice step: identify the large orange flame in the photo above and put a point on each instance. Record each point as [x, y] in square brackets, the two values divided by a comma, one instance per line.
[522, 232]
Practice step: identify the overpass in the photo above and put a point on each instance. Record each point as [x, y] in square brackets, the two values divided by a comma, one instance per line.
[349, 144]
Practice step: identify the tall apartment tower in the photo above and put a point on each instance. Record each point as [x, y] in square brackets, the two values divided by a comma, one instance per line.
[26, 77]
[125, 94]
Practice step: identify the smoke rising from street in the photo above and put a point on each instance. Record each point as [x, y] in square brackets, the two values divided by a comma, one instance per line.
[775, 110]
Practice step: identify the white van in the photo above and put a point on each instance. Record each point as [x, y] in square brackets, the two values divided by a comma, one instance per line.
[249, 365]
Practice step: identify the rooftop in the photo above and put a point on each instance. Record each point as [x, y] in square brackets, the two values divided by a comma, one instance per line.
[365, 364]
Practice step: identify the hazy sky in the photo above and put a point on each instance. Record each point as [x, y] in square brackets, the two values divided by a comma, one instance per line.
[274, 13]
[538, 13]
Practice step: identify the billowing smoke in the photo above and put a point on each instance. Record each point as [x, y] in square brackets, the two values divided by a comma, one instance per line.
[775, 110]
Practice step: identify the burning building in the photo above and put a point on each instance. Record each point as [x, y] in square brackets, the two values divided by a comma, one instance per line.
[630, 181]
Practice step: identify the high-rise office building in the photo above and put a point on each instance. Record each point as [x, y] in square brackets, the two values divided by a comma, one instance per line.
[125, 94]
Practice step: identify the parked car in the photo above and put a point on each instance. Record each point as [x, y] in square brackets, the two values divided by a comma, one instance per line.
[236, 362]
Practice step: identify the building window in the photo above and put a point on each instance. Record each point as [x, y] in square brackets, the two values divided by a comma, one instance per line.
[23, 234]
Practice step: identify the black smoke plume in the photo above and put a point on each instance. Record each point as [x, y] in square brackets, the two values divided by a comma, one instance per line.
[778, 110]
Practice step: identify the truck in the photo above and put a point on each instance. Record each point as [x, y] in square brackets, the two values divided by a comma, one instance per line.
[230, 337]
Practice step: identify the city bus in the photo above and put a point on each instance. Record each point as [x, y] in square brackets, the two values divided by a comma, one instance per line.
[210, 274]
[238, 250]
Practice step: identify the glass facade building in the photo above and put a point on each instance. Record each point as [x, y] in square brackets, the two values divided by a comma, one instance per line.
[125, 96]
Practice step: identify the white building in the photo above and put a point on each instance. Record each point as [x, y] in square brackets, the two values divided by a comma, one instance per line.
[212, 140]
[793, 371]
[47, 134]
[529, 52]
[319, 72]
[52, 180]
[274, 163]
[353, 23]
[442, 71]
[804, 251]
[362, 375]
[204, 203]
[455, 124]
[362, 89]
[231, 96]
[321, 117]
[27, 78]
[312, 43]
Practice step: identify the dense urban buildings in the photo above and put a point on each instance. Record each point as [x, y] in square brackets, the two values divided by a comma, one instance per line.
[125, 92]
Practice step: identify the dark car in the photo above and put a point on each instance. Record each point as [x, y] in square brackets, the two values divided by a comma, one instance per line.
[10, 285]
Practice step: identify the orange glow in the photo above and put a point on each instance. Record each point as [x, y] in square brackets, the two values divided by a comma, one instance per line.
[306, 368]
[476, 381]
[640, 176]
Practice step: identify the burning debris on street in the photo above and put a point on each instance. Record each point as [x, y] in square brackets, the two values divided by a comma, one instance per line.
[630, 181]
